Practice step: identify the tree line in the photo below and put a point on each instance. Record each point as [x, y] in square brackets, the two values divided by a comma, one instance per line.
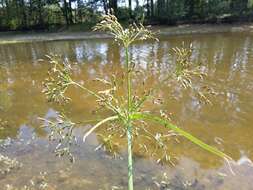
[54, 14]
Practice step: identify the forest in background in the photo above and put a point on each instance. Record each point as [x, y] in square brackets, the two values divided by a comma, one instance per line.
[55, 15]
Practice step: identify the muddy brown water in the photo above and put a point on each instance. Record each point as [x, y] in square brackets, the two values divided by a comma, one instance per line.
[227, 124]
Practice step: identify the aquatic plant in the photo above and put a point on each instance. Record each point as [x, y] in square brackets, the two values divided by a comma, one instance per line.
[128, 114]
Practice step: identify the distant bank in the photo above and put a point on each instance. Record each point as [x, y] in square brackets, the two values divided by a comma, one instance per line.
[14, 37]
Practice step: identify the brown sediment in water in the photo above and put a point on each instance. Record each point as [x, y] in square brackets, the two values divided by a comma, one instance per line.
[227, 124]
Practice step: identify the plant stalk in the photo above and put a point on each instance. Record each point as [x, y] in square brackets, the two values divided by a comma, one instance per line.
[129, 88]
[130, 158]
[129, 122]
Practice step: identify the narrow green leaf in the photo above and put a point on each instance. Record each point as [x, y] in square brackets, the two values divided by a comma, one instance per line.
[99, 124]
[180, 131]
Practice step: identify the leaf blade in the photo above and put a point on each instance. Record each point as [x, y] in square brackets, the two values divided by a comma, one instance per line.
[98, 125]
[181, 132]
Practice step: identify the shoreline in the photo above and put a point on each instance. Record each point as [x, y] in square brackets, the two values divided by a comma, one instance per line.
[186, 29]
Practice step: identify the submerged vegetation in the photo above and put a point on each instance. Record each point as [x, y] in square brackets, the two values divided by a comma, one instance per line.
[7, 165]
[36, 183]
[127, 115]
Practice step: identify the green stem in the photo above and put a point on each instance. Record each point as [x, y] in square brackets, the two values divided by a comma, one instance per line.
[128, 70]
[130, 158]
[129, 123]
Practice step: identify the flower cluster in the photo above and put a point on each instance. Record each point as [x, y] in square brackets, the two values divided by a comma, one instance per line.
[58, 81]
[124, 36]
[61, 132]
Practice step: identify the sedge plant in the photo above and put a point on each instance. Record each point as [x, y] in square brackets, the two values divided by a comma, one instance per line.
[128, 114]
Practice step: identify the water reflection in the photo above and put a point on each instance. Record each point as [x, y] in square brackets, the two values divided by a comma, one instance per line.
[228, 58]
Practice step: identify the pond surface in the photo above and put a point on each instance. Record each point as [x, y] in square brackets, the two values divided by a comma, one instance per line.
[227, 124]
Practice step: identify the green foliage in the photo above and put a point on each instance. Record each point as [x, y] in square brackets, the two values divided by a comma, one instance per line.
[61, 131]
[44, 14]
[136, 15]
[127, 113]
[170, 11]
[123, 14]
[53, 14]
[188, 136]
[13, 24]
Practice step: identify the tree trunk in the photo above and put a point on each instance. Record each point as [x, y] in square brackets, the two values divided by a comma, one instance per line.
[113, 6]
[30, 13]
[148, 9]
[191, 5]
[70, 13]
[167, 6]
[65, 11]
[130, 8]
[105, 6]
[137, 3]
[40, 13]
[7, 11]
[23, 8]
[152, 8]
